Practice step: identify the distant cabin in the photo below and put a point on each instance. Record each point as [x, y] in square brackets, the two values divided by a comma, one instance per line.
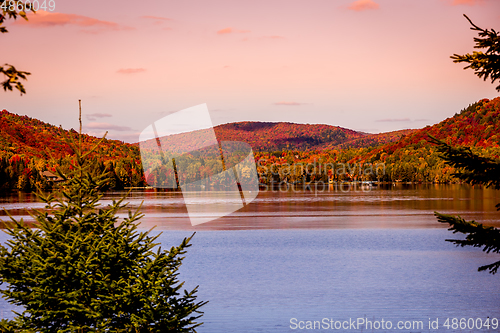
[50, 176]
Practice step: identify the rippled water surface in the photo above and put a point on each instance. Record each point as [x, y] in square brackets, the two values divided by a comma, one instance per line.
[332, 255]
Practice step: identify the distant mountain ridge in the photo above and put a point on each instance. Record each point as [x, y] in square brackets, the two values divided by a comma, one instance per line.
[478, 125]
[270, 136]
[29, 146]
[372, 140]
[30, 137]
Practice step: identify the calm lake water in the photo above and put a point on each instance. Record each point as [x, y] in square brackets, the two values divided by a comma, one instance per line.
[330, 257]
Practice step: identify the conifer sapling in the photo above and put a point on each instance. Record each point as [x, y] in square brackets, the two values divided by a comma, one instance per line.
[84, 270]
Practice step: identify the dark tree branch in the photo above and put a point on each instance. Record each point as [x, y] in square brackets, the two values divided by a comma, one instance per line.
[477, 236]
[471, 167]
[485, 64]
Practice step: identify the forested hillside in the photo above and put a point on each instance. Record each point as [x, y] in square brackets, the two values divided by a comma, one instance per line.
[282, 150]
[411, 159]
[370, 140]
[264, 136]
[29, 146]
[478, 125]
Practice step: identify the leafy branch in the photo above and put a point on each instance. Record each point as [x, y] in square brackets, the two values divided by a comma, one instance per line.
[14, 76]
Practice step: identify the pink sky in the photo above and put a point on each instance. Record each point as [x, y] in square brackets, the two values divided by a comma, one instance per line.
[368, 65]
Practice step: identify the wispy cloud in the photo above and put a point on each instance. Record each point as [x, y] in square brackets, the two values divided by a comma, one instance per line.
[107, 126]
[402, 120]
[126, 137]
[466, 2]
[289, 103]
[131, 70]
[100, 115]
[390, 120]
[43, 19]
[361, 5]
[130, 137]
[367, 130]
[93, 116]
[156, 18]
[273, 37]
[231, 31]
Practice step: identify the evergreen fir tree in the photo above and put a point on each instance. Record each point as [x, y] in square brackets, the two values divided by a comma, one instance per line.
[83, 270]
[471, 167]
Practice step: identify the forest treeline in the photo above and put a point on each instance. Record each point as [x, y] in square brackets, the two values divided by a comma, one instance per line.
[29, 147]
[412, 158]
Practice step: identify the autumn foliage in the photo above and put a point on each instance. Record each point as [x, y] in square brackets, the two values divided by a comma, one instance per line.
[28, 146]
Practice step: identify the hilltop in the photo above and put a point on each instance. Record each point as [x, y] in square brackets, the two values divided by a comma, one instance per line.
[267, 136]
[279, 136]
[476, 126]
[33, 138]
[409, 158]
[29, 146]
[414, 158]
[30, 137]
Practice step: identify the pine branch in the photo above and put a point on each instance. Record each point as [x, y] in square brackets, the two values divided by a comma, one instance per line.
[485, 64]
[493, 268]
[477, 236]
[472, 168]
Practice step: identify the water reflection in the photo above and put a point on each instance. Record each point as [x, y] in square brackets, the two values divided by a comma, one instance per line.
[373, 254]
[402, 206]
